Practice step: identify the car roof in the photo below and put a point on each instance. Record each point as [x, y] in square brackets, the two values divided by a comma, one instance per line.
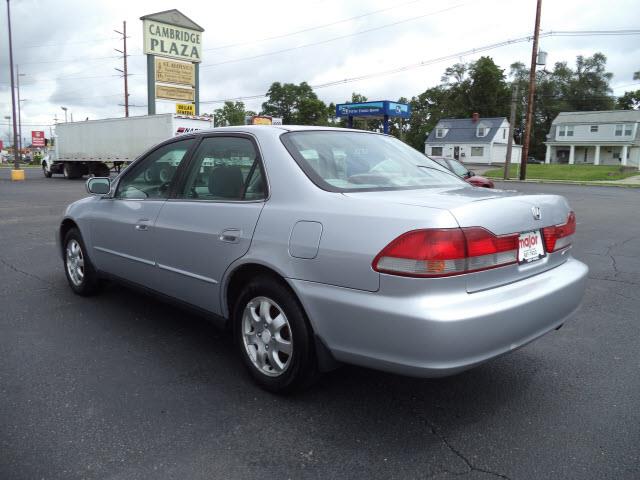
[277, 129]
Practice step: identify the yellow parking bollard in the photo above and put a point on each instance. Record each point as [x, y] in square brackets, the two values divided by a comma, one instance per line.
[17, 175]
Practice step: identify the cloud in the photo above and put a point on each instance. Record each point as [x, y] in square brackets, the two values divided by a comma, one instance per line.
[66, 48]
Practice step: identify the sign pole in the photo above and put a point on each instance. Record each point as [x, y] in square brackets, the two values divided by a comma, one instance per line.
[151, 85]
[197, 89]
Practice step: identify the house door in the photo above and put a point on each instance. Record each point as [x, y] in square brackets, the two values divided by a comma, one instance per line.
[456, 153]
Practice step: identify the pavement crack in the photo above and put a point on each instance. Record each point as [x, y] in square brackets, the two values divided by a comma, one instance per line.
[23, 272]
[616, 280]
[470, 466]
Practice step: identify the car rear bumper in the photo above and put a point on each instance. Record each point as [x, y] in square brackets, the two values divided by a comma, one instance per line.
[431, 334]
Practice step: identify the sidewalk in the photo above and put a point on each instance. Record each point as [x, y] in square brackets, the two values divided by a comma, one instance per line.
[625, 182]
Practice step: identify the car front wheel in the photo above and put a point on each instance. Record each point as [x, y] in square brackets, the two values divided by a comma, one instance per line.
[274, 337]
[82, 277]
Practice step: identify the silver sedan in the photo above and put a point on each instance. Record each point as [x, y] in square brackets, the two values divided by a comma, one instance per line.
[317, 246]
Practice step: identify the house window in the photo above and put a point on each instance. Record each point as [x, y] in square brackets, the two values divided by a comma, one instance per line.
[618, 131]
[627, 130]
[477, 151]
[570, 131]
[561, 132]
[482, 131]
[440, 132]
[593, 128]
[437, 151]
[504, 133]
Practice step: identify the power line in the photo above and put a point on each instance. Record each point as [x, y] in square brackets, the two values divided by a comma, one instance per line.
[425, 63]
[310, 29]
[95, 40]
[329, 40]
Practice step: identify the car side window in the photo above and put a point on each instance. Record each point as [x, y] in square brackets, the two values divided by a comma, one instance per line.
[151, 178]
[224, 168]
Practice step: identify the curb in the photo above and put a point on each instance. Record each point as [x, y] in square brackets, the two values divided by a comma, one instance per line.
[596, 183]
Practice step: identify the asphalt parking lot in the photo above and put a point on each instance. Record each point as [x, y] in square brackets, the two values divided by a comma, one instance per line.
[122, 386]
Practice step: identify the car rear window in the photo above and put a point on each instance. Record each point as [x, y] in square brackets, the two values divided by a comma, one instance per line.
[355, 161]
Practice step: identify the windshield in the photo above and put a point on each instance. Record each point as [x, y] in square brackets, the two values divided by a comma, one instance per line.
[354, 161]
[458, 168]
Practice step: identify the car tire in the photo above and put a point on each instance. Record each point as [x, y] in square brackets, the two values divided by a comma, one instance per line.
[46, 172]
[274, 337]
[71, 171]
[102, 170]
[80, 272]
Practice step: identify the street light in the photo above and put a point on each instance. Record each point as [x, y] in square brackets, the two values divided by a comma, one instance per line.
[65, 113]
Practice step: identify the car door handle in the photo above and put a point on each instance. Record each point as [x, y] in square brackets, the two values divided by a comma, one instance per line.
[142, 225]
[230, 235]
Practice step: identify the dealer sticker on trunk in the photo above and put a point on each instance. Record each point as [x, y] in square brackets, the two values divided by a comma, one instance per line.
[530, 247]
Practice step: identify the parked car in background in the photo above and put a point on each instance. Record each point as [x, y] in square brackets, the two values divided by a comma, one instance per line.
[533, 161]
[459, 169]
[316, 246]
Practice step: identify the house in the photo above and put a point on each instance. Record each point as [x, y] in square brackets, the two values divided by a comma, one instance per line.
[472, 140]
[609, 137]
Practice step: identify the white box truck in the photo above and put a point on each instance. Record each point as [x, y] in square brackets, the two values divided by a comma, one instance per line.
[94, 147]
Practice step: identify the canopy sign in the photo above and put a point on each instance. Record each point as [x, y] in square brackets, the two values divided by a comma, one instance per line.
[380, 109]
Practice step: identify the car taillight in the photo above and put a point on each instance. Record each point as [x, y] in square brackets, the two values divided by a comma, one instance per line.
[445, 252]
[558, 237]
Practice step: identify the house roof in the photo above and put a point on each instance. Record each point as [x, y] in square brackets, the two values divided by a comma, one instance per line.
[602, 116]
[463, 130]
[173, 17]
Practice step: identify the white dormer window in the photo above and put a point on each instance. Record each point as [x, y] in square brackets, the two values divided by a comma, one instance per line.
[440, 132]
[482, 131]
[593, 129]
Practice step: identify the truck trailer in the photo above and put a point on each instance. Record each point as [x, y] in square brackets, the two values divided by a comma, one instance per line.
[95, 147]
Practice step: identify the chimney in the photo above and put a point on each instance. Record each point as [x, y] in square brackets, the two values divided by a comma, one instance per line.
[475, 117]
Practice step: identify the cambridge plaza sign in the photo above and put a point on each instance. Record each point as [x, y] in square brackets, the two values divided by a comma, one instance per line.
[173, 45]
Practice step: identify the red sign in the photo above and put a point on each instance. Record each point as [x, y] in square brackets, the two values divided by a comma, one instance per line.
[37, 138]
[1, 145]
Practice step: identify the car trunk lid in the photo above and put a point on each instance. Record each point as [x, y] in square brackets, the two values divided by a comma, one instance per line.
[501, 212]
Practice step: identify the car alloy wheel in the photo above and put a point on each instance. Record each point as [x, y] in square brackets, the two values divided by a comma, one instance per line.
[266, 335]
[75, 262]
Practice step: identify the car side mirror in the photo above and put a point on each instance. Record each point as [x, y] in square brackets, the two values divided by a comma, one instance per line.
[98, 185]
[472, 173]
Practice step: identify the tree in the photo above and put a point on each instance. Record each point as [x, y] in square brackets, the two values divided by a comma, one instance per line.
[488, 92]
[231, 114]
[296, 104]
[629, 101]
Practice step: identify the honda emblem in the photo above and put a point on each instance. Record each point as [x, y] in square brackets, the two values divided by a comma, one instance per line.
[537, 213]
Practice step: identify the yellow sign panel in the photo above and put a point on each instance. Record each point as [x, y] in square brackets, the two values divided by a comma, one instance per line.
[175, 71]
[185, 109]
[258, 120]
[174, 93]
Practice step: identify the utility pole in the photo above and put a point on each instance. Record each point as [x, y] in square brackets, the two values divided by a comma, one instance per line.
[124, 71]
[16, 158]
[532, 91]
[19, 109]
[512, 120]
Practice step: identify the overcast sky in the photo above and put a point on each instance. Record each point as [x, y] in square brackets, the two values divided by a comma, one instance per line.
[66, 47]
